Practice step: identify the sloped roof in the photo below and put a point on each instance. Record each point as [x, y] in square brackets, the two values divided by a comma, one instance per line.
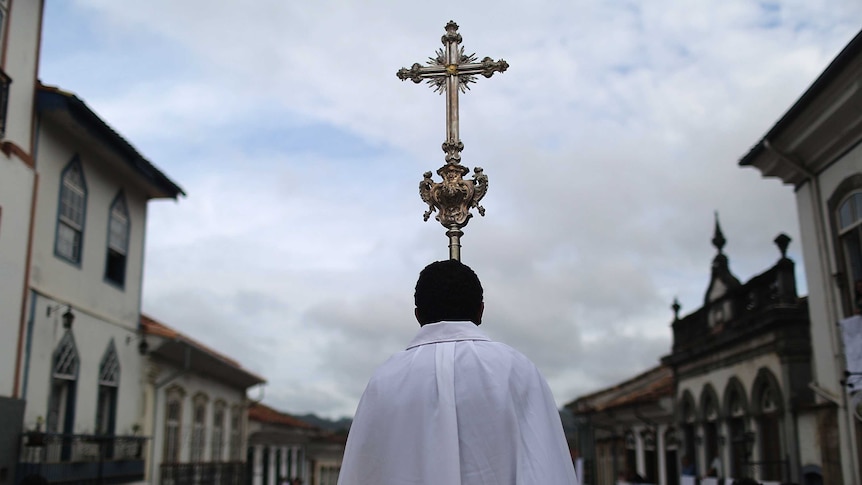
[207, 360]
[265, 414]
[647, 387]
[66, 108]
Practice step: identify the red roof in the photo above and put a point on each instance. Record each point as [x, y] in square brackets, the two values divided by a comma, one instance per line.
[158, 329]
[265, 414]
[649, 386]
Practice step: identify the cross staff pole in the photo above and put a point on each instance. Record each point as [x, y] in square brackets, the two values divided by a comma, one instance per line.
[452, 71]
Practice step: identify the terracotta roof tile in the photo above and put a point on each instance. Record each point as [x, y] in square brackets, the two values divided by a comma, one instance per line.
[153, 327]
[265, 414]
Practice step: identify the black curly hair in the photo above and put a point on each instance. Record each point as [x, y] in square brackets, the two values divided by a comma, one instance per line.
[448, 290]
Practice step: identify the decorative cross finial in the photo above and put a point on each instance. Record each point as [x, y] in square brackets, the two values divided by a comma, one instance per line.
[451, 71]
[718, 238]
[675, 307]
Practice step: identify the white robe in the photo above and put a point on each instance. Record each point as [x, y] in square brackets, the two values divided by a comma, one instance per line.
[455, 408]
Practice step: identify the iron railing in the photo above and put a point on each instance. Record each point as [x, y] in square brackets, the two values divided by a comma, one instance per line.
[76, 458]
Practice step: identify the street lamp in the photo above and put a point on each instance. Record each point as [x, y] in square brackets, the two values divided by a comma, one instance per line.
[67, 316]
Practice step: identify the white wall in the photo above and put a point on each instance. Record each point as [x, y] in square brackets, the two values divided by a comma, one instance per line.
[16, 187]
[191, 384]
[824, 301]
[84, 286]
[92, 337]
[16, 179]
[21, 52]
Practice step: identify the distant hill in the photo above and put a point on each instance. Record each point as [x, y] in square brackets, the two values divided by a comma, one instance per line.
[340, 425]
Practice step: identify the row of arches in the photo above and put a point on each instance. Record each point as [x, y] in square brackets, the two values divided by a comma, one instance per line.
[739, 430]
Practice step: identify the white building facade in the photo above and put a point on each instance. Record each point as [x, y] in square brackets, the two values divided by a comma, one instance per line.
[195, 409]
[20, 30]
[816, 148]
[80, 368]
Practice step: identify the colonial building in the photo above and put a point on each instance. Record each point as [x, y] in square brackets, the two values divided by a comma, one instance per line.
[741, 365]
[20, 30]
[80, 367]
[195, 410]
[815, 147]
[284, 449]
[628, 430]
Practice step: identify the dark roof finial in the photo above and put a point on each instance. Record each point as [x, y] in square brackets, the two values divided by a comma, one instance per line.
[675, 307]
[782, 241]
[718, 239]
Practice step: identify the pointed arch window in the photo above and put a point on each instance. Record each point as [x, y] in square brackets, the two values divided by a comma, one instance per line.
[109, 383]
[850, 234]
[71, 212]
[118, 241]
[64, 376]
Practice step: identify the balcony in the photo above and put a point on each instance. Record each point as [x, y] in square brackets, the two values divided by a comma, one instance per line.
[230, 473]
[77, 458]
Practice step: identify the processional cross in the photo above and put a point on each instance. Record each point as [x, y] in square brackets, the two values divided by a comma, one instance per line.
[449, 72]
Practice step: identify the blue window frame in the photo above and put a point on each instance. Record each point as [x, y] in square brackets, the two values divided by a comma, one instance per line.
[118, 241]
[71, 212]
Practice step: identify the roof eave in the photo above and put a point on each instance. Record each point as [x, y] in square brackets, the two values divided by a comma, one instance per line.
[51, 99]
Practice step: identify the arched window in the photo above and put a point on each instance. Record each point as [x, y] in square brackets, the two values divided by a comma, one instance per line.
[173, 424]
[109, 382]
[688, 417]
[71, 212]
[736, 410]
[710, 419]
[199, 427]
[236, 433]
[768, 406]
[849, 217]
[217, 446]
[650, 447]
[118, 241]
[64, 376]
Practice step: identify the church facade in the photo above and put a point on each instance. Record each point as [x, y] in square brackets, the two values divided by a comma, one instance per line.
[816, 147]
[730, 401]
[741, 365]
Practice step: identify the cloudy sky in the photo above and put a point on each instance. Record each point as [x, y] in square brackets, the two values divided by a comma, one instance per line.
[609, 143]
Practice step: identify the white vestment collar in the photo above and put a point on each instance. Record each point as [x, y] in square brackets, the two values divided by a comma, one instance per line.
[433, 333]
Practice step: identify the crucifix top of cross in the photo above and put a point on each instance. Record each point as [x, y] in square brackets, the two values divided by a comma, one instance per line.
[452, 71]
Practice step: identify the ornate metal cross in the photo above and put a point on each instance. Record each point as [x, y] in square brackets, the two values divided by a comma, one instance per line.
[452, 71]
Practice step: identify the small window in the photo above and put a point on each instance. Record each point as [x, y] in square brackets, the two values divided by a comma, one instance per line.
[71, 212]
[118, 242]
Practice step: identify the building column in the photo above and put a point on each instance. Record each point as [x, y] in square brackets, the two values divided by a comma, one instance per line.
[282, 472]
[257, 465]
[724, 445]
[640, 458]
